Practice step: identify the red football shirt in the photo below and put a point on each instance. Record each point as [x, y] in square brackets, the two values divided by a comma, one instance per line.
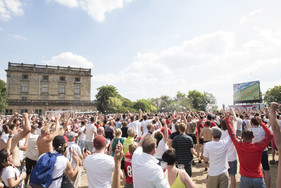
[128, 165]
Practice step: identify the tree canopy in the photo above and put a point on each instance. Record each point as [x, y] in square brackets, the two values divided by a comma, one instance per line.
[108, 100]
[273, 95]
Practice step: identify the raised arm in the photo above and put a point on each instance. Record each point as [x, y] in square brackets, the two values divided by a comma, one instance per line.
[12, 118]
[234, 114]
[230, 130]
[24, 132]
[57, 127]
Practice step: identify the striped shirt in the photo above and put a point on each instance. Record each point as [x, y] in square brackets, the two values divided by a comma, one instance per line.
[182, 144]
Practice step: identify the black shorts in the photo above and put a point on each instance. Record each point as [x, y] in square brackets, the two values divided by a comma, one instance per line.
[201, 141]
[264, 161]
[193, 136]
[30, 164]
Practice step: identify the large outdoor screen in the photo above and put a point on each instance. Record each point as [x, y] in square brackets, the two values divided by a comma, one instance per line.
[247, 92]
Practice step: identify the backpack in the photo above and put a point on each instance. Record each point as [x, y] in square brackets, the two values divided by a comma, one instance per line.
[41, 175]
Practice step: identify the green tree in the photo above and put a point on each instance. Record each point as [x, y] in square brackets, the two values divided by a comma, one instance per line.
[114, 104]
[200, 101]
[273, 95]
[145, 105]
[103, 95]
[3, 104]
[196, 100]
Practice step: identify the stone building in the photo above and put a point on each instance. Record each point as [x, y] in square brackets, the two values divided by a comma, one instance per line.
[39, 88]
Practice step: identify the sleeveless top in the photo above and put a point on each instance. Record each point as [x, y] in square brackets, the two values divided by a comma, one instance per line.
[178, 183]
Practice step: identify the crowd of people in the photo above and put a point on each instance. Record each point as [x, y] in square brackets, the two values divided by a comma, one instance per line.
[140, 149]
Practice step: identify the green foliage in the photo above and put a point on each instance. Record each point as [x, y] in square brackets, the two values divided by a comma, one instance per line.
[145, 105]
[110, 101]
[3, 104]
[103, 95]
[273, 95]
[197, 100]
[201, 101]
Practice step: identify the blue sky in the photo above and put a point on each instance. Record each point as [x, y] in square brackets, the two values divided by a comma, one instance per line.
[149, 48]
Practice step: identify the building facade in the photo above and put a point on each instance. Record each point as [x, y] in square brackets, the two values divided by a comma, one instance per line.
[38, 88]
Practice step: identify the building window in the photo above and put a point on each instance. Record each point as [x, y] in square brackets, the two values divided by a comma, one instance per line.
[24, 88]
[38, 111]
[25, 76]
[62, 78]
[45, 89]
[45, 77]
[77, 79]
[62, 89]
[24, 98]
[23, 111]
[9, 112]
[77, 89]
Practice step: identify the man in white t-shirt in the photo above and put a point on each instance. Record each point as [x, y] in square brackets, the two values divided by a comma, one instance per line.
[91, 131]
[72, 146]
[99, 166]
[82, 136]
[146, 171]
[143, 125]
[135, 124]
[216, 153]
[239, 126]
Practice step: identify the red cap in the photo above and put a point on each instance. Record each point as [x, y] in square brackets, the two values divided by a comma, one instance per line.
[99, 141]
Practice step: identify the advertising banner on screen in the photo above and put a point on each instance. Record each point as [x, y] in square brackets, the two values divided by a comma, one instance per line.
[247, 92]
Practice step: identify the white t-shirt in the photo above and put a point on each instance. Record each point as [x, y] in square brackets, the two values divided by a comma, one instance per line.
[161, 148]
[99, 169]
[32, 149]
[259, 134]
[216, 151]
[146, 171]
[77, 149]
[144, 126]
[136, 126]
[58, 170]
[90, 130]
[8, 173]
[239, 124]
[82, 136]
[231, 151]
[5, 137]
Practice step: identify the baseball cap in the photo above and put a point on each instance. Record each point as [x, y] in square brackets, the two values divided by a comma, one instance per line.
[99, 141]
[58, 141]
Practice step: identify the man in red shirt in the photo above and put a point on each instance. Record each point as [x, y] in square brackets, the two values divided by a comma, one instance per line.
[250, 155]
[128, 164]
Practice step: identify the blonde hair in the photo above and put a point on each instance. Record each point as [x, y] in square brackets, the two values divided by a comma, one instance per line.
[117, 132]
[149, 126]
[132, 147]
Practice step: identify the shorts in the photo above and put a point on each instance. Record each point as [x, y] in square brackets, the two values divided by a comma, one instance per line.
[264, 161]
[201, 141]
[232, 167]
[29, 164]
[89, 146]
[221, 180]
[81, 144]
[204, 142]
[193, 136]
